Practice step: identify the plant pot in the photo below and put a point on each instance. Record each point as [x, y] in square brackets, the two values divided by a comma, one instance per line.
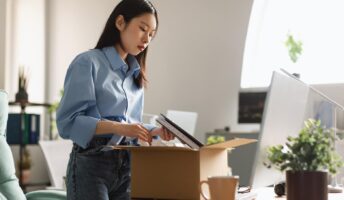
[26, 174]
[303, 185]
[22, 96]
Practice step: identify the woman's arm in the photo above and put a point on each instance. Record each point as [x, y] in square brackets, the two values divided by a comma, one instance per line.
[130, 130]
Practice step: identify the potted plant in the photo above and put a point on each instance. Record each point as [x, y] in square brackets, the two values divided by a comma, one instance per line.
[25, 166]
[52, 112]
[22, 96]
[214, 139]
[307, 159]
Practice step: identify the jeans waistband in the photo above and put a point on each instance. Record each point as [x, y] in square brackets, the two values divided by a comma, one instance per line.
[101, 141]
[98, 141]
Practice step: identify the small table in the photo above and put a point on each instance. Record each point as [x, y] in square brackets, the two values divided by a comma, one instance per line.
[268, 194]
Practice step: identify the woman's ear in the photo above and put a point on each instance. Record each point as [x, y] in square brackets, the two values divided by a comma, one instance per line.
[120, 23]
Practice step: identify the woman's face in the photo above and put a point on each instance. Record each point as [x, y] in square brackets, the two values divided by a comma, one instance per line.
[137, 34]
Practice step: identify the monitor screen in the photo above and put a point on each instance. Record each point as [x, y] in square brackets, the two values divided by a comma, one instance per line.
[251, 106]
[288, 104]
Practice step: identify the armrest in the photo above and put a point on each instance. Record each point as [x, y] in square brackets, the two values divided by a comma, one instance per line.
[47, 195]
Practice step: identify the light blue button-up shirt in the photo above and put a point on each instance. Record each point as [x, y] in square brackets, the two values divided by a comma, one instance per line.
[99, 85]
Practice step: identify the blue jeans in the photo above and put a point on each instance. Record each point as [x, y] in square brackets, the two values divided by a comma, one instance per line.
[98, 175]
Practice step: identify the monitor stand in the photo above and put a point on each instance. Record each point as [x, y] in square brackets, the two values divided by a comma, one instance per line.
[334, 189]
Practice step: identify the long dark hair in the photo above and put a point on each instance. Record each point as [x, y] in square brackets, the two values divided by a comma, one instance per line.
[129, 9]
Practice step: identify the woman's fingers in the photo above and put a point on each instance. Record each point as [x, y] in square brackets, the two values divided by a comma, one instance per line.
[138, 131]
[171, 136]
[144, 136]
[167, 135]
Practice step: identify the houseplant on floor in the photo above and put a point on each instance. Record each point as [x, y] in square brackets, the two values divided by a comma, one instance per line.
[25, 166]
[307, 159]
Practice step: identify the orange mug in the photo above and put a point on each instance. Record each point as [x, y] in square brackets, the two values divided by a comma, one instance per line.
[221, 187]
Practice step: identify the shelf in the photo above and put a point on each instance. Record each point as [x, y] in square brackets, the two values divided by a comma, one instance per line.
[37, 184]
[23, 105]
[26, 104]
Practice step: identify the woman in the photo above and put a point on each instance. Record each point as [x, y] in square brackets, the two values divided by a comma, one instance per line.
[103, 101]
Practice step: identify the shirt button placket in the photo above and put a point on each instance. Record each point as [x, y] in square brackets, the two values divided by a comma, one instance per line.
[125, 69]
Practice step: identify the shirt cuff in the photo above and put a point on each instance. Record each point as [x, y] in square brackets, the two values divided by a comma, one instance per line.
[84, 131]
[149, 127]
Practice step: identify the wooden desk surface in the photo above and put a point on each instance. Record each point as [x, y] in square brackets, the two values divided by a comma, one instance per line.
[268, 194]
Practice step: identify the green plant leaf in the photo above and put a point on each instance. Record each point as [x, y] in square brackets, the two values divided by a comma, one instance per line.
[294, 48]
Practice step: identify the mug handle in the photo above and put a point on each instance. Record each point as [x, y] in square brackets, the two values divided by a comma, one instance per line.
[200, 188]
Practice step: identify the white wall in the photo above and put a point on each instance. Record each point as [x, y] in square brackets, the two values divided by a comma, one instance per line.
[26, 39]
[2, 42]
[24, 44]
[194, 63]
[72, 27]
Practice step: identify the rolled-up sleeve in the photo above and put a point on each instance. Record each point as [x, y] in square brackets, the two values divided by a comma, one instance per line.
[149, 127]
[79, 99]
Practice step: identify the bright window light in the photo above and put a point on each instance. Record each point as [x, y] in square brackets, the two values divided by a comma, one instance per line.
[317, 24]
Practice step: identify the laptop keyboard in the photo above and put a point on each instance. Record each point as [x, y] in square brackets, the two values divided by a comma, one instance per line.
[246, 196]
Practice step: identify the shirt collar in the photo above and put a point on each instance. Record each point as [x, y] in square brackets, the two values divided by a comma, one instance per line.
[117, 62]
[134, 65]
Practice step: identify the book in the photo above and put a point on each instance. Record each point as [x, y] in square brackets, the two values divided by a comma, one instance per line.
[179, 133]
[23, 128]
[34, 128]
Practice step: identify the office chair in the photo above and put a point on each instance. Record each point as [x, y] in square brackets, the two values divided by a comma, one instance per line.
[9, 185]
[56, 154]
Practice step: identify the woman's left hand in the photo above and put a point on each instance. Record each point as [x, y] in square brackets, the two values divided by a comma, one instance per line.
[163, 133]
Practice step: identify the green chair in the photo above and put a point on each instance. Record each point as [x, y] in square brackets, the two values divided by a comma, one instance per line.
[9, 185]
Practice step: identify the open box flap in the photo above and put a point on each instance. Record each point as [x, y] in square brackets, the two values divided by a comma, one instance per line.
[149, 148]
[230, 143]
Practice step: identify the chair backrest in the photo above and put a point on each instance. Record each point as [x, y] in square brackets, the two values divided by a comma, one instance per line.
[3, 112]
[186, 120]
[9, 185]
[56, 153]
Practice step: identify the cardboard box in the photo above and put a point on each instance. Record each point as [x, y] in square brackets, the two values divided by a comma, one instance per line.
[174, 172]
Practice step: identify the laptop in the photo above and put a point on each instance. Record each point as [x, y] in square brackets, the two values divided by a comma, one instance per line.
[179, 132]
[246, 196]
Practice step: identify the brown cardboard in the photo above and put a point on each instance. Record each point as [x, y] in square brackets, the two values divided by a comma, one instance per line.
[174, 172]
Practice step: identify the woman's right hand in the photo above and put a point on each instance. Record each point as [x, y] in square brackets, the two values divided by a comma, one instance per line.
[135, 131]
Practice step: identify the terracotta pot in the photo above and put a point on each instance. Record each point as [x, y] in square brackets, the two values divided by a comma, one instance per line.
[26, 173]
[304, 185]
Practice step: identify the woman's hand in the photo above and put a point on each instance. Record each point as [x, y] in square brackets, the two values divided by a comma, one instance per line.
[135, 131]
[163, 133]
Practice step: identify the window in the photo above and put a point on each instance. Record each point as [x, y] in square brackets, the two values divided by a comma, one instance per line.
[317, 24]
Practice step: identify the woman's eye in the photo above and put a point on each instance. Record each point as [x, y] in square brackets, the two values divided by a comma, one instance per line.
[142, 29]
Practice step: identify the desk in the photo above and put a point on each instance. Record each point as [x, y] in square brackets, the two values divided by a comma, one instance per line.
[268, 194]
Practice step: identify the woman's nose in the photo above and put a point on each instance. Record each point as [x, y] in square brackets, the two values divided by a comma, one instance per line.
[146, 38]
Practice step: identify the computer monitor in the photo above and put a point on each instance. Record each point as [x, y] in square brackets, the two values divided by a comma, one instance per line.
[251, 106]
[288, 104]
